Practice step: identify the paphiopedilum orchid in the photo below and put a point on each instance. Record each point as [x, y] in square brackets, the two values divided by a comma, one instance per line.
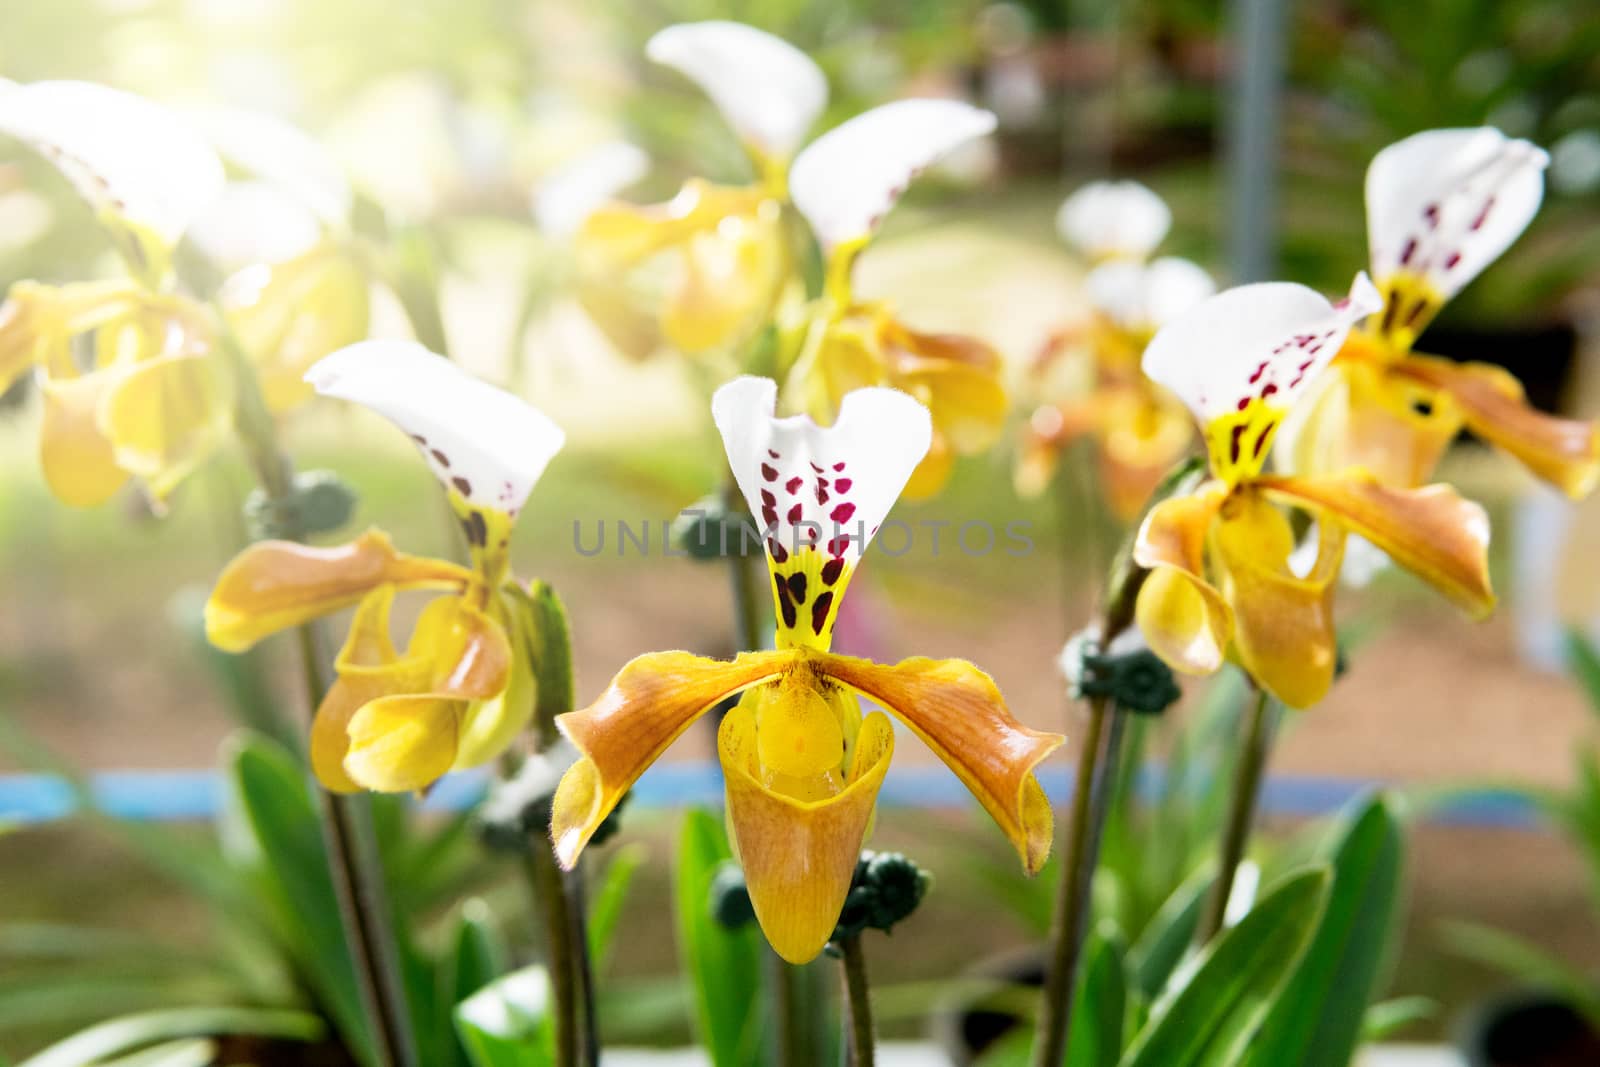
[802, 764]
[1110, 220]
[1441, 206]
[1220, 584]
[844, 184]
[705, 269]
[141, 395]
[295, 289]
[456, 697]
[1091, 375]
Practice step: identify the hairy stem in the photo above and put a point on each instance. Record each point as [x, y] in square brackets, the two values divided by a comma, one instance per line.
[857, 1002]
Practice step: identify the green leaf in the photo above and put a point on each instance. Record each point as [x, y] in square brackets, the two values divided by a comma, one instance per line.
[723, 966]
[120, 1037]
[1584, 661]
[1340, 970]
[1167, 937]
[609, 896]
[478, 955]
[1101, 1002]
[1387, 1017]
[188, 1052]
[1210, 1019]
[507, 1023]
[1525, 960]
[271, 791]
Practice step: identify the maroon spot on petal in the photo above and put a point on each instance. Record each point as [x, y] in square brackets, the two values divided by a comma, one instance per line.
[816, 468]
[1451, 260]
[463, 485]
[832, 569]
[822, 495]
[439, 457]
[793, 485]
[769, 515]
[777, 551]
[794, 514]
[1260, 370]
[1306, 365]
[769, 473]
[1267, 390]
[1233, 442]
[1483, 216]
[1431, 215]
[837, 546]
[771, 453]
[797, 587]
[819, 612]
[843, 512]
[838, 466]
[767, 499]
[842, 485]
[1261, 442]
[786, 604]
[1407, 251]
[419, 439]
[1417, 312]
[1244, 402]
[476, 529]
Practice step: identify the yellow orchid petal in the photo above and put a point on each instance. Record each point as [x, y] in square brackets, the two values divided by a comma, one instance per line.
[289, 315]
[273, 585]
[368, 667]
[1283, 634]
[20, 341]
[402, 744]
[1363, 414]
[727, 281]
[932, 471]
[1432, 532]
[167, 415]
[79, 461]
[650, 702]
[489, 726]
[1183, 617]
[799, 855]
[1564, 452]
[958, 711]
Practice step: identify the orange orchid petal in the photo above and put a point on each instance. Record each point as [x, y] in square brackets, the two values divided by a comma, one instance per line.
[273, 585]
[932, 472]
[79, 461]
[799, 855]
[1432, 532]
[1564, 452]
[958, 712]
[650, 702]
[1283, 632]
[1183, 617]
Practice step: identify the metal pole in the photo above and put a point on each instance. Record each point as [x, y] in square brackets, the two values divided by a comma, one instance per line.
[1254, 117]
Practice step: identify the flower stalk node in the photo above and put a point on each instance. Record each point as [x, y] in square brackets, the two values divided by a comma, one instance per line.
[318, 502]
[1134, 679]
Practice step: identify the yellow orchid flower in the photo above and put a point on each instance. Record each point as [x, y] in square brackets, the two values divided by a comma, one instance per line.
[704, 270]
[462, 689]
[1221, 585]
[1114, 220]
[295, 290]
[139, 396]
[802, 764]
[1441, 206]
[1139, 430]
[844, 184]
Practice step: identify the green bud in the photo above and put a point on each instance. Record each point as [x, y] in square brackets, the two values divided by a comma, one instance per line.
[319, 502]
[730, 897]
[711, 530]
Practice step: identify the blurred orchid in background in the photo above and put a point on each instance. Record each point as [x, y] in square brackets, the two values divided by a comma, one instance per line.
[463, 688]
[1441, 206]
[1221, 586]
[1088, 373]
[124, 365]
[802, 765]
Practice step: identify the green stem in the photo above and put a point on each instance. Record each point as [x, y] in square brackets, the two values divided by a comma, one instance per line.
[1254, 748]
[545, 876]
[857, 1002]
[353, 858]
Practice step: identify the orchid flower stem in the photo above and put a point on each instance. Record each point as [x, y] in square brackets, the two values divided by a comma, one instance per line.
[857, 1002]
[1071, 912]
[354, 861]
[1256, 744]
[558, 895]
